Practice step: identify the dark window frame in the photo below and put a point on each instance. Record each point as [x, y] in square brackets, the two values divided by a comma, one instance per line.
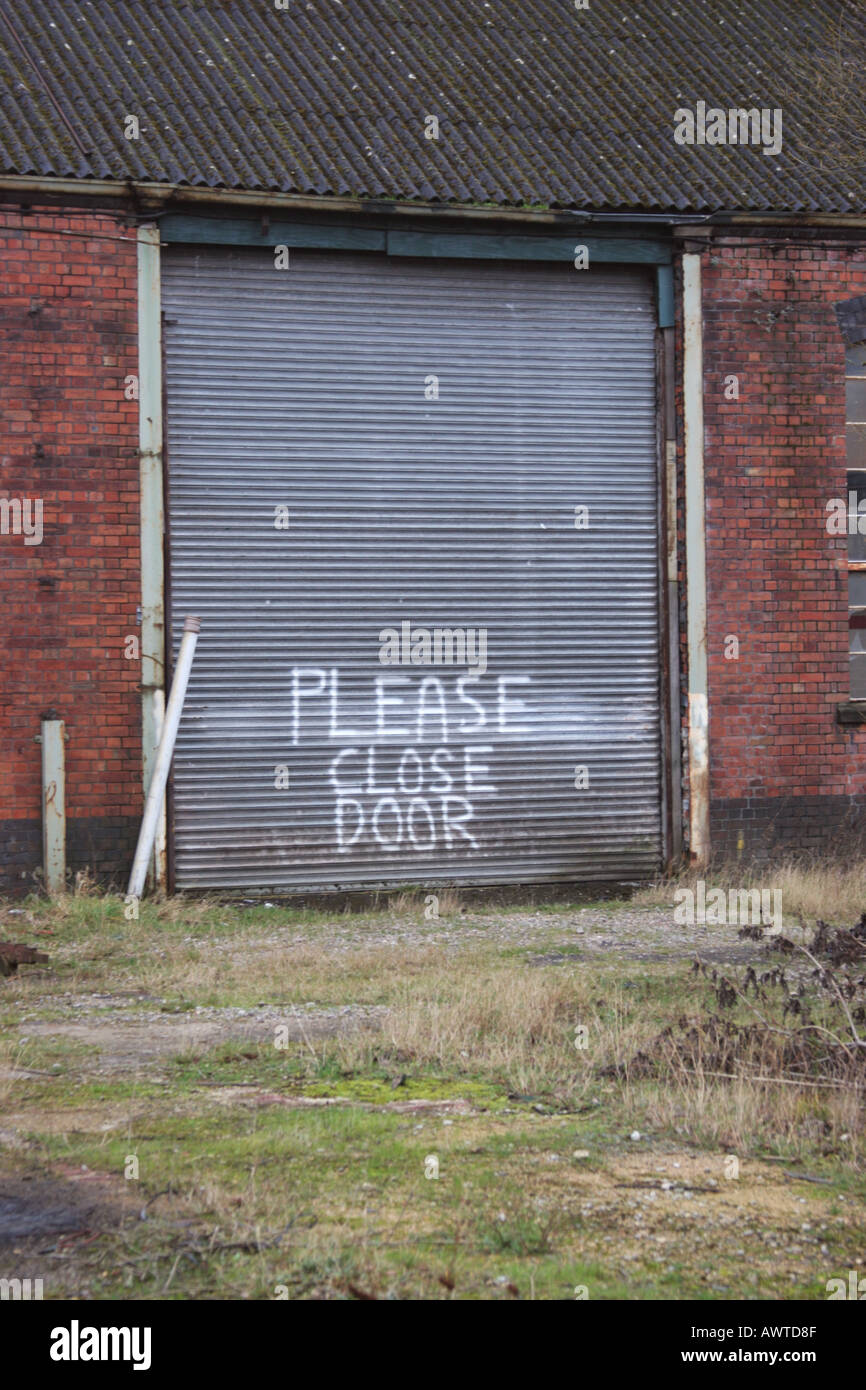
[855, 478]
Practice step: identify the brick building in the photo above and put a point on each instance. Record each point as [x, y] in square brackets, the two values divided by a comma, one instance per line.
[319, 323]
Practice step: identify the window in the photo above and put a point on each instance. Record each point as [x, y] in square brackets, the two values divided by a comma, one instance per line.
[855, 416]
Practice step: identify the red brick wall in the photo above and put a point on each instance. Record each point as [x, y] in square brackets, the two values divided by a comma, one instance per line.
[69, 437]
[781, 769]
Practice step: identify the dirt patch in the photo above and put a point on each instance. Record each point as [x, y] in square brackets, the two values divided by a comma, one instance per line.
[36, 1210]
[748, 1237]
[124, 1045]
[253, 1097]
[104, 1119]
[682, 1208]
[50, 1224]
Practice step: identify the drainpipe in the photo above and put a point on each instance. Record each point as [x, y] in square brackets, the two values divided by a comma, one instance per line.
[151, 196]
[53, 806]
[674, 717]
[152, 522]
[156, 791]
[696, 560]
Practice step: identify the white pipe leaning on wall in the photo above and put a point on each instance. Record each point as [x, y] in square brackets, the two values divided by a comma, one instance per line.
[156, 792]
[53, 805]
[152, 518]
[696, 560]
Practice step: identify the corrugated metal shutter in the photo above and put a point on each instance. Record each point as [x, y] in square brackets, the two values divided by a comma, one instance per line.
[305, 389]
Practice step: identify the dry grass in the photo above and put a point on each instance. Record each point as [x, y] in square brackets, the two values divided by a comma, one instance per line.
[443, 903]
[749, 1117]
[468, 1012]
[490, 1020]
[104, 907]
[833, 891]
[496, 1021]
[11, 1052]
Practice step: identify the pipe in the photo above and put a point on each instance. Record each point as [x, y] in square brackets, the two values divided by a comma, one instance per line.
[53, 806]
[152, 195]
[156, 791]
[696, 560]
[672, 581]
[152, 517]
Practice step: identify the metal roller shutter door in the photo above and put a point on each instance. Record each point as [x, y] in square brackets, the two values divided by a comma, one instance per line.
[307, 389]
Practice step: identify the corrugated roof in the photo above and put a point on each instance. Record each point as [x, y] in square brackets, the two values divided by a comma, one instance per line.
[538, 102]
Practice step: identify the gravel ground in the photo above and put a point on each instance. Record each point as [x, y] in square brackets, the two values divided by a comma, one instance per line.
[130, 1037]
[639, 933]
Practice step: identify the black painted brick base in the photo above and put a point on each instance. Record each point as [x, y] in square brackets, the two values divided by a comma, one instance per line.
[104, 844]
[770, 827]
